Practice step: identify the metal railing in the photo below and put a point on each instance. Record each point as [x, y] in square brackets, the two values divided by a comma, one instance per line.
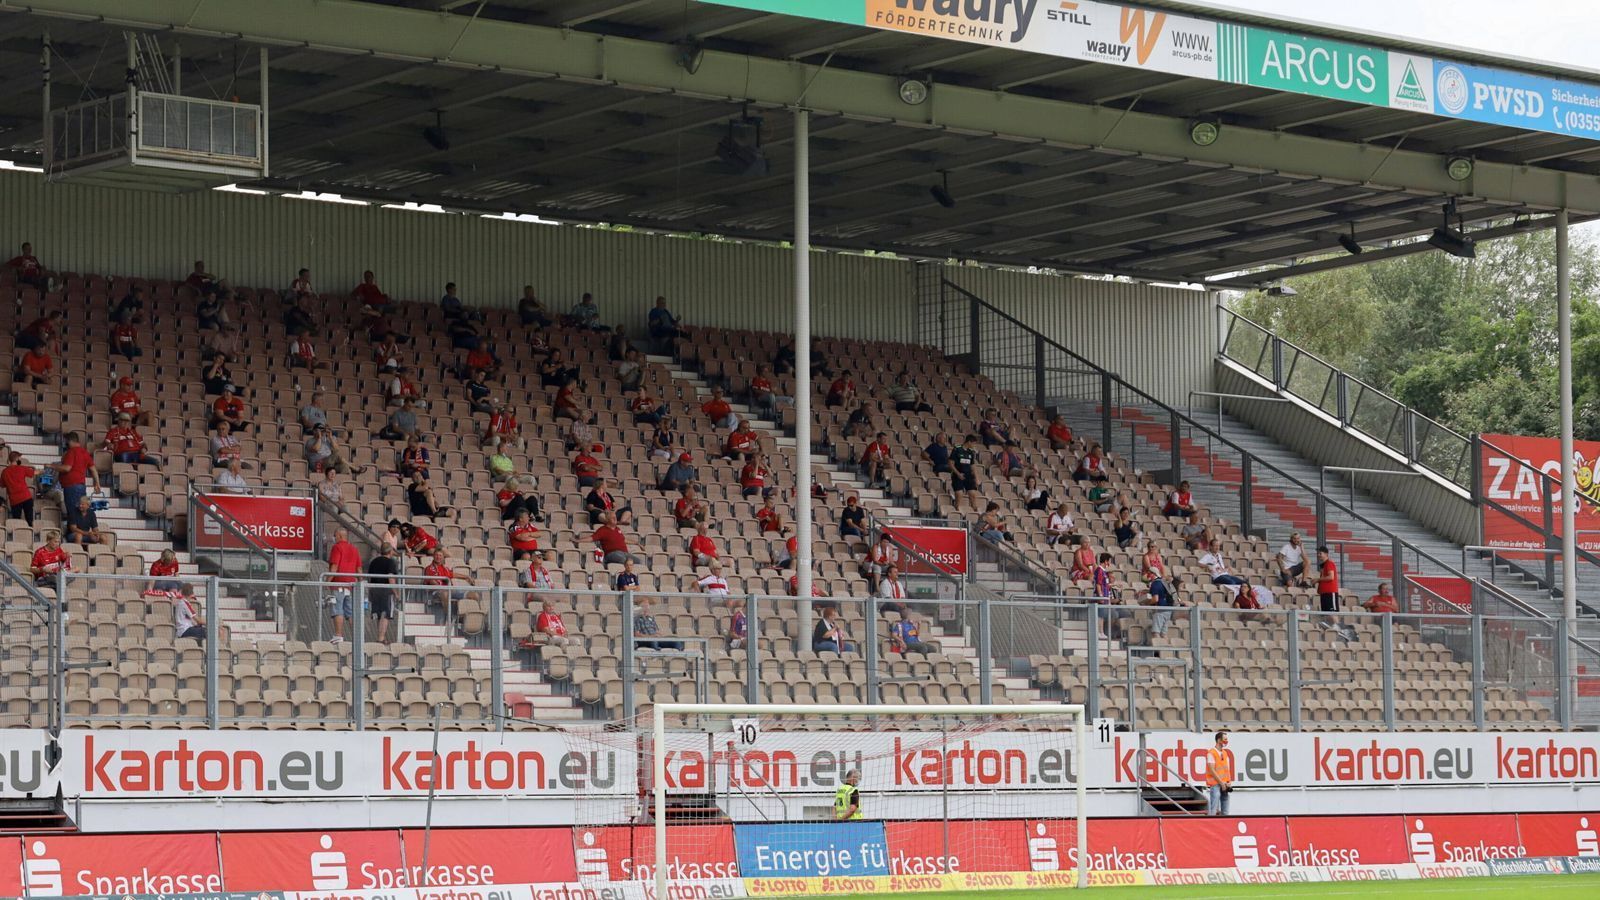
[225, 544]
[1349, 401]
[199, 129]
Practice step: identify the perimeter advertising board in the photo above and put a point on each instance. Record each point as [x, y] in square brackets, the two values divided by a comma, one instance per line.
[1509, 467]
[76, 865]
[284, 524]
[944, 548]
[25, 769]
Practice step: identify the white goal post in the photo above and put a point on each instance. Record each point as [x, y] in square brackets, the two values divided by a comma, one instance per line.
[955, 741]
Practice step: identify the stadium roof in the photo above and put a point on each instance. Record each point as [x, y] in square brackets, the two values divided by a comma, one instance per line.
[586, 110]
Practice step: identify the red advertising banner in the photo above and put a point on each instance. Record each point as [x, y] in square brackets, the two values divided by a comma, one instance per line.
[1347, 841]
[312, 860]
[927, 848]
[1113, 845]
[1517, 487]
[73, 865]
[10, 867]
[286, 524]
[463, 857]
[946, 548]
[626, 853]
[1560, 834]
[1218, 843]
[1458, 838]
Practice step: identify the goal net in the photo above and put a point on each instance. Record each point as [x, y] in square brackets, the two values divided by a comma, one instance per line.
[941, 792]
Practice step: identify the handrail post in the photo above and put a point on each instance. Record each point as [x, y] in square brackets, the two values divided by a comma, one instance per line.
[213, 639]
[752, 650]
[1038, 372]
[1091, 698]
[1477, 670]
[1550, 542]
[974, 330]
[1196, 662]
[497, 653]
[1246, 495]
[1342, 397]
[1277, 362]
[1563, 666]
[1293, 621]
[1105, 411]
[1410, 428]
[1322, 520]
[358, 654]
[985, 653]
[1475, 465]
[629, 676]
[1397, 559]
[1177, 449]
[1388, 671]
[58, 662]
[869, 649]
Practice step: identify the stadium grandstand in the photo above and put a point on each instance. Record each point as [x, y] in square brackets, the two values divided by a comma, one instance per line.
[581, 378]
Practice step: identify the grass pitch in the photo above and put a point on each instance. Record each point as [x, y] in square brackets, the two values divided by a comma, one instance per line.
[1554, 887]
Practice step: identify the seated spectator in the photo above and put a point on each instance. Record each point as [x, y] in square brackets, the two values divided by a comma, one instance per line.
[530, 311]
[419, 495]
[414, 458]
[313, 413]
[830, 636]
[502, 424]
[301, 287]
[211, 313]
[680, 474]
[853, 518]
[1193, 532]
[892, 590]
[1091, 467]
[787, 551]
[579, 434]
[391, 360]
[842, 392]
[402, 424]
[937, 455]
[381, 572]
[663, 440]
[964, 473]
[875, 460]
[617, 344]
[50, 560]
[754, 476]
[1106, 501]
[1058, 434]
[524, 538]
[478, 358]
[229, 408]
[28, 269]
[742, 443]
[539, 576]
[992, 525]
[131, 307]
[371, 297]
[1125, 529]
[202, 281]
[83, 526]
[738, 625]
[1291, 561]
[713, 585]
[440, 576]
[231, 480]
[689, 510]
[1215, 563]
[762, 394]
[1060, 527]
[1034, 497]
[664, 326]
[322, 451]
[859, 422]
[218, 378]
[303, 352]
[393, 535]
[818, 589]
[631, 371]
[646, 409]
[126, 444]
[1382, 601]
[906, 397]
[586, 465]
[221, 343]
[905, 637]
[570, 404]
[329, 488]
[613, 544]
[586, 314]
[646, 632]
[187, 619]
[601, 502]
[164, 570]
[452, 307]
[719, 411]
[769, 518]
[401, 388]
[1008, 460]
[1180, 503]
[1083, 558]
[702, 549]
[125, 340]
[126, 400]
[554, 371]
[298, 316]
[626, 580]
[17, 479]
[549, 625]
[36, 369]
[880, 558]
[1249, 600]
[991, 431]
[41, 333]
[501, 465]
[515, 496]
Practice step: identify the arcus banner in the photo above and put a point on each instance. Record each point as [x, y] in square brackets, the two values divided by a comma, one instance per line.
[57, 865]
[284, 524]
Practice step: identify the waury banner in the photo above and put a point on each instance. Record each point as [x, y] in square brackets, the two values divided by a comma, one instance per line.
[284, 524]
[74, 865]
[1509, 469]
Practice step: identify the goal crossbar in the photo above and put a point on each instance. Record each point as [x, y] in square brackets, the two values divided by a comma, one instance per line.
[1073, 711]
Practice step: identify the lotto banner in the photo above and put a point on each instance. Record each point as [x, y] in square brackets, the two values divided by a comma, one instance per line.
[1509, 475]
[945, 548]
[1220, 843]
[627, 853]
[284, 524]
[1560, 834]
[1463, 838]
[74, 865]
[313, 861]
[466, 857]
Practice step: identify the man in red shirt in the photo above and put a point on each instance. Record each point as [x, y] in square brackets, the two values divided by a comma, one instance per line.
[768, 517]
[689, 509]
[480, 358]
[201, 280]
[569, 403]
[442, 576]
[1327, 581]
[719, 411]
[126, 444]
[587, 466]
[17, 479]
[753, 477]
[502, 424]
[702, 549]
[742, 442]
[36, 367]
[125, 340]
[126, 400]
[613, 543]
[229, 408]
[550, 625]
[344, 564]
[1382, 601]
[368, 293]
[875, 460]
[29, 271]
[41, 332]
[524, 537]
[1180, 503]
[842, 392]
[49, 560]
[74, 468]
[763, 396]
[1058, 434]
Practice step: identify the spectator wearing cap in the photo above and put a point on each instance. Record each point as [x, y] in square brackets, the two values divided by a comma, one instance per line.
[586, 465]
[83, 526]
[875, 461]
[702, 549]
[613, 544]
[28, 269]
[601, 502]
[229, 408]
[126, 400]
[17, 479]
[852, 519]
[753, 477]
[689, 510]
[719, 411]
[126, 444]
[680, 474]
[742, 443]
[1058, 434]
[50, 560]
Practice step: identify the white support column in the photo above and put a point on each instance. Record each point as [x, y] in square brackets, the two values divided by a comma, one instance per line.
[1569, 508]
[802, 370]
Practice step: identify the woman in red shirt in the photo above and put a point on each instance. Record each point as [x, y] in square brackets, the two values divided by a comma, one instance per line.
[164, 568]
[524, 537]
[1082, 563]
[419, 542]
[17, 479]
[769, 517]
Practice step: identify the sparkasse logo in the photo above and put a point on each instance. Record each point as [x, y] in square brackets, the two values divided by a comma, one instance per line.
[988, 21]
